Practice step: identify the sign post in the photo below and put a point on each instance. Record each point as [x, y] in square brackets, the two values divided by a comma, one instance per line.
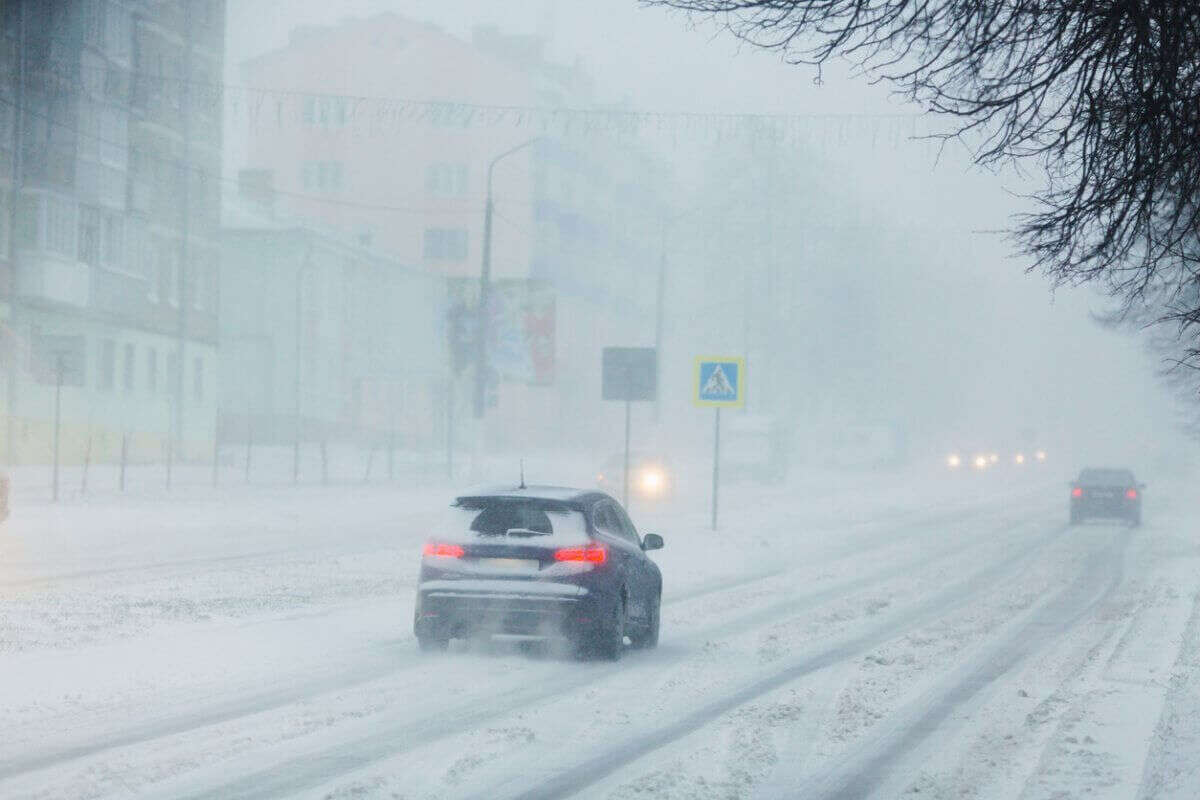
[629, 374]
[60, 369]
[720, 382]
[58, 361]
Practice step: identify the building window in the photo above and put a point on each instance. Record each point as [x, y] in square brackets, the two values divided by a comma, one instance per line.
[446, 180]
[165, 281]
[172, 373]
[29, 221]
[324, 176]
[152, 370]
[60, 226]
[93, 22]
[89, 235]
[198, 378]
[119, 31]
[329, 177]
[127, 376]
[112, 241]
[108, 365]
[196, 283]
[325, 112]
[445, 244]
[202, 280]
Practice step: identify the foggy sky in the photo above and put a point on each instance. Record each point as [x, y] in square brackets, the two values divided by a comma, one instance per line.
[1009, 349]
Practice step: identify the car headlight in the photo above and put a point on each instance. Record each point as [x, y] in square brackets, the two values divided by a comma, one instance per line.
[953, 461]
[1040, 455]
[652, 481]
[1019, 458]
[981, 462]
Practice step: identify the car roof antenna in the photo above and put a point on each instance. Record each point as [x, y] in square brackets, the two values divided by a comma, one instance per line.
[522, 486]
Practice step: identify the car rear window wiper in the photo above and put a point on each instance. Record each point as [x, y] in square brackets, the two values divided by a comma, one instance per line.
[525, 532]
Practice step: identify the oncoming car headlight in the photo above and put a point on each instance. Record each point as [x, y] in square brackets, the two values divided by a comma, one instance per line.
[981, 462]
[953, 461]
[652, 480]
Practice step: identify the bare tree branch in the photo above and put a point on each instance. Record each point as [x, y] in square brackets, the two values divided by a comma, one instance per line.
[1104, 96]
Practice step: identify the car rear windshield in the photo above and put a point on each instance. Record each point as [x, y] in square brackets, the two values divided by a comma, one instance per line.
[1106, 477]
[513, 520]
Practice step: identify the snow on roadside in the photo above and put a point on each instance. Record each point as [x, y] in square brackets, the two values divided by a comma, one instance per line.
[1078, 718]
[262, 620]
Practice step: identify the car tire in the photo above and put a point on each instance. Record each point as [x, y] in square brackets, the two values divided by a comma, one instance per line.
[610, 638]
[648, 639]
[433, 644]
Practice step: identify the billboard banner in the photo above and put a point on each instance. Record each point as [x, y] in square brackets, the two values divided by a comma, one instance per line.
[522, 329]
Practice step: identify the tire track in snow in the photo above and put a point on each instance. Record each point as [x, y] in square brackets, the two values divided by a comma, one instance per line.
[313, 769]
[592, 770]
[861, 772]
[263, 702]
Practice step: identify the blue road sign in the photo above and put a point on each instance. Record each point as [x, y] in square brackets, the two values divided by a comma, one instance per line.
[720, 381]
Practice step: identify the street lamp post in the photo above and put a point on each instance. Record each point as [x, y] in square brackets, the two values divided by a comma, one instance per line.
[485, 281]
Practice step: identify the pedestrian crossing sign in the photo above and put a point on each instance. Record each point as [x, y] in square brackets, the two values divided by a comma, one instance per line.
[720, 381]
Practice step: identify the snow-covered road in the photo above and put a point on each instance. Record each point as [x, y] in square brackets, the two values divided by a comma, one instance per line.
[884, 638]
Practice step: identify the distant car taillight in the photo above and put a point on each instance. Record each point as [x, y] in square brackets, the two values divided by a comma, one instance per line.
[592, 554]
[1077, 492]
[1131, 494]
[443, 550]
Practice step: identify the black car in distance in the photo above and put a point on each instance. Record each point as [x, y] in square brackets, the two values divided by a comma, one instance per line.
[1106, 493]
[539, 563]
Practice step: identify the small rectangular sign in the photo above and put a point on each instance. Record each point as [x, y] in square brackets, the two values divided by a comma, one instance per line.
[629, 373]
[720, 381]
[51, 355]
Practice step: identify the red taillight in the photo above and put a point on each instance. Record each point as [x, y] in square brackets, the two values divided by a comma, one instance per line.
[592, 554]
[1077, 492]
[1131, 494]
[444, 550]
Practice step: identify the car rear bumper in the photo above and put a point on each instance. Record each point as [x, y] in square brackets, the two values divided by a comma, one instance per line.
[1106, 510]
[464, 608]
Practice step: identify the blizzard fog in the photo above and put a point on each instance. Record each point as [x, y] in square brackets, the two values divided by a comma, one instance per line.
[882, 250]
[211, 591]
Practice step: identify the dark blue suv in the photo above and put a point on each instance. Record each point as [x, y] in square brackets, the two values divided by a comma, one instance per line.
[1112, 493]
[539, 562]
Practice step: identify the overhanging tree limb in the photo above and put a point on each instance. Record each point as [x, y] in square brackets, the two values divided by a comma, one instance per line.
[1104, 96]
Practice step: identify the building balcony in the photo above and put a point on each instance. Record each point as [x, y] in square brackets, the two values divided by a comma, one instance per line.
[47, 276]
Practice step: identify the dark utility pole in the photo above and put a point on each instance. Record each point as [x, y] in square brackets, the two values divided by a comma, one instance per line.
[301, 275]
[18, 181]
[59, 368]
[485, 288]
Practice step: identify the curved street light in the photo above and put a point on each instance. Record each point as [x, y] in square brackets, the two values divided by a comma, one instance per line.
[485, 281]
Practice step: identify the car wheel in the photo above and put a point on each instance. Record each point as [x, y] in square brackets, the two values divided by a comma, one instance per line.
[433, 644]
[648, 639]
[610, 639]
